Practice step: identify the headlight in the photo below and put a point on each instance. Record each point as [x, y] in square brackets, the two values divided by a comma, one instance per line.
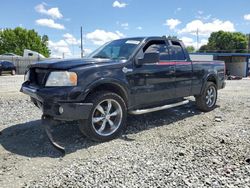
[62, 78]
[27, 76]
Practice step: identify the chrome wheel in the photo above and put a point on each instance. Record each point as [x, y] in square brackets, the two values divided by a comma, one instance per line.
[211, 95]
[107, 117]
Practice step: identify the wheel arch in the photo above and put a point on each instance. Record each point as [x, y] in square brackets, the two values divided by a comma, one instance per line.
[212, 78]
[111, 85]
[209, 78]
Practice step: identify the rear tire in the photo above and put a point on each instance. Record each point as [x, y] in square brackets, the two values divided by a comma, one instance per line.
[207, 100]
[107, 118]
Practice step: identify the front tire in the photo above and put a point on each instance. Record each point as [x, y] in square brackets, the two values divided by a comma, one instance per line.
[207, 100]
[107, 117]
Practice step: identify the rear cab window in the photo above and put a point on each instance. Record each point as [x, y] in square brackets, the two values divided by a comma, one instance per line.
[176, 52]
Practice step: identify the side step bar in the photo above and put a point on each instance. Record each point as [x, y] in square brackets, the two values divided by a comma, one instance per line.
[144, 111]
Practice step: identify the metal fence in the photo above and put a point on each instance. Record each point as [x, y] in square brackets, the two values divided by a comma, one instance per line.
[21, 63]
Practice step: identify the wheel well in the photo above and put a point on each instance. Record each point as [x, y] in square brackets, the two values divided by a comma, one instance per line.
[212, 79]
[109, 87]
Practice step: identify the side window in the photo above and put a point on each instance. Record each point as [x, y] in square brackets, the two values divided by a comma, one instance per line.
[8, 64]
[176, 53]
[158, 46]
[4, 64]
[11, 65]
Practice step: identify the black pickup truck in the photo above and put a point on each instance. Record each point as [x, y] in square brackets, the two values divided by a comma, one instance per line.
[132, 75]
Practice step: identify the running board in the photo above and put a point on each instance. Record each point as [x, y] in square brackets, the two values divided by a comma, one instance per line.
[144, 111]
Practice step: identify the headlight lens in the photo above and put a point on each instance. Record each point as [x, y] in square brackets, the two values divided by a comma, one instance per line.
[27, 76]
[61, 78]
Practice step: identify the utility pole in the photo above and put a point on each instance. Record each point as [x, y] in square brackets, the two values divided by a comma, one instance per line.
[81, 44]
[197, 35]
[248, 48]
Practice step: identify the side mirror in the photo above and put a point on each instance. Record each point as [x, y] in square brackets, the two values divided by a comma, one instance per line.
[149, 58]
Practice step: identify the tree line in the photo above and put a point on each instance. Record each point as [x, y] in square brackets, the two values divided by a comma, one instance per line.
[18, 39]
[223, 42]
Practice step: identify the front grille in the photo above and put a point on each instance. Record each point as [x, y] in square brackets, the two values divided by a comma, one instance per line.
[39, 76]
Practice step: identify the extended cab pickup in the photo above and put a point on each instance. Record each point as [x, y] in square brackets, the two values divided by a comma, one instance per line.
[132, 75]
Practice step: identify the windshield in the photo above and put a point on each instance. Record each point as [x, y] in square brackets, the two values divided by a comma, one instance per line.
[116, 50]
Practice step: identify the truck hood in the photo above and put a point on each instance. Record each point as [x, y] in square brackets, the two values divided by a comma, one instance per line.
[68, 63]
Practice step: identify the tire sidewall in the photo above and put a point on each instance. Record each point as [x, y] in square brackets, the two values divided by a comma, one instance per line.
[91, 132]
[208, 85]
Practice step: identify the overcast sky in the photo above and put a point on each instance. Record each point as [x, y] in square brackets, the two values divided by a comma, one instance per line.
[105, 20]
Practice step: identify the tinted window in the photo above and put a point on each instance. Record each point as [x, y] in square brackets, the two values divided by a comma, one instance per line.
[116, 52]
[176, 53]
[159, 47]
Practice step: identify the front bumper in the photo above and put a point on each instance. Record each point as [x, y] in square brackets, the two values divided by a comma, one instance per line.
[50, 100]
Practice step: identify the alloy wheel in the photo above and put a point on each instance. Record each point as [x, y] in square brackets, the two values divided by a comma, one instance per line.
[107, 117]
[211, 96]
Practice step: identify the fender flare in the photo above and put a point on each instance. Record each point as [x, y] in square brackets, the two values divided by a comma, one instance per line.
[206, 78]
[121, 85]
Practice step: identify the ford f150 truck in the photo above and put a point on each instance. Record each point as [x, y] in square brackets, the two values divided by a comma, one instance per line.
[131, 75]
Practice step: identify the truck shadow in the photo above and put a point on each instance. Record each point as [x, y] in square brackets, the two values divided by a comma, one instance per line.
[30, 140]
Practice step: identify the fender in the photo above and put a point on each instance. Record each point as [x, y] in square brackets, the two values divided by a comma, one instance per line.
[212, 75]
[123, 86]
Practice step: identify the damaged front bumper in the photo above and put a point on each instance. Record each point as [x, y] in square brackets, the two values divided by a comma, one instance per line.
[55, 102]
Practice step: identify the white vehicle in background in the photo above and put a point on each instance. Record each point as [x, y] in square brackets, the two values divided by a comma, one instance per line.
[32, 54]
[27, 54]
[22, 62]
[7, 55]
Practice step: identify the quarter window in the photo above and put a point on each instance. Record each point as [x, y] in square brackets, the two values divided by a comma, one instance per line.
[176, 53]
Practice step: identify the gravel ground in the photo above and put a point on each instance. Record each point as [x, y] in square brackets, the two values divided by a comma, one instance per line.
[10, 84]
[179, 147]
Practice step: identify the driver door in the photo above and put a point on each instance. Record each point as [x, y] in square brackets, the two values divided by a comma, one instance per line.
[154, 82]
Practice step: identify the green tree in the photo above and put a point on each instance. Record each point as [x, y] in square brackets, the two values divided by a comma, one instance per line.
[18, 39]
[190, 49]
[203, 48]
[222, 41]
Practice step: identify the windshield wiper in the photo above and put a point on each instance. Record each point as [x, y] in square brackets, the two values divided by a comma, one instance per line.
[101, 56]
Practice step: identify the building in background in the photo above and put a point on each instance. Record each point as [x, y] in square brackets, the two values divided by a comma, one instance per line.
[237, 64]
